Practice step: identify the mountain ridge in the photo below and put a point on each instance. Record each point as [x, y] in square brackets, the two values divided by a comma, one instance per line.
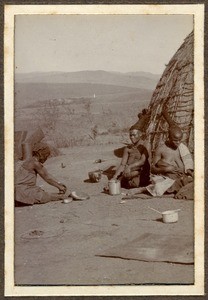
[143, 80]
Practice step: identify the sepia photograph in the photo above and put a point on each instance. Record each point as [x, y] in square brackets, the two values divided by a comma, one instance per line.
[104, 164]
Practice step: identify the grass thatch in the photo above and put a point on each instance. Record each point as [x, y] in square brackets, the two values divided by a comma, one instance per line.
[30, 139]
[175, 89]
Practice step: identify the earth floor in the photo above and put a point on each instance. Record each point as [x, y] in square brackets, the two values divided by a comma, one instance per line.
[58, 243]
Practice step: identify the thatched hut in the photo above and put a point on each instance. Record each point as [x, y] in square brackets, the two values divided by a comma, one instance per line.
[25, 141]
[175, 90]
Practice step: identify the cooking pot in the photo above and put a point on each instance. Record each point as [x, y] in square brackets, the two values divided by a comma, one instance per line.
[168, 216]
[114, 187]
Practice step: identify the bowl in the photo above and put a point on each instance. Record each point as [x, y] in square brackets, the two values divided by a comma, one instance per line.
[67, 201]
[95, 176]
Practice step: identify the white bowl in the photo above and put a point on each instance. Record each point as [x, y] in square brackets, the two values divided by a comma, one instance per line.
[67, 201]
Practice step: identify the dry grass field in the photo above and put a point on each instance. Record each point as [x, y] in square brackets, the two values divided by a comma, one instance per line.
[72, 115]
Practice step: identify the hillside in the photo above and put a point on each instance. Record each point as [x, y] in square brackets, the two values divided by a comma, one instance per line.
[31, 93]
[81, 108]
[134, 79]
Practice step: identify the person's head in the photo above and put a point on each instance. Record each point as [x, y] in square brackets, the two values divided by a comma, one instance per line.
[175, 136]
[135, 134]
[41, 152]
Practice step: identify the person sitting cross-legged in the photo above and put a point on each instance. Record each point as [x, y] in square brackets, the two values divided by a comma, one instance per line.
[173, 160]
[172, 168]
[134, 169]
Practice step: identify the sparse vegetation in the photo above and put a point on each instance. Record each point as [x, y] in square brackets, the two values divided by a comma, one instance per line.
[48, 116]
[73, 117]
[81, 122]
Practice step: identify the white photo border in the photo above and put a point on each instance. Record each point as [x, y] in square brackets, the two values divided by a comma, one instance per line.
[197, 10]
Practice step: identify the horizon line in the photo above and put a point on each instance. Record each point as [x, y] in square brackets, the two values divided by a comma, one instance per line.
[85, 70]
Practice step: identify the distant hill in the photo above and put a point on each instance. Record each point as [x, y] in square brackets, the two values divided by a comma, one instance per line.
[141, 80]
[30, 93]
[146, 75]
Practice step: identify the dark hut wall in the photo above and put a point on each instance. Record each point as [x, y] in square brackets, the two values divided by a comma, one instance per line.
[175, 89]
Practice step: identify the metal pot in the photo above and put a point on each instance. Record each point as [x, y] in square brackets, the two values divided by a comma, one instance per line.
[114, 187]
[170, 216]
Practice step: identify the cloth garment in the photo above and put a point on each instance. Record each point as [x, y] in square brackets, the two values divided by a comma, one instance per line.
[160, 184]
[186, 192]
[172, 183]
[186, 157]
[180, 182]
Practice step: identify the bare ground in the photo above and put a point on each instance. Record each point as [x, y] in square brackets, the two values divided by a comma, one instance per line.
[73, 233]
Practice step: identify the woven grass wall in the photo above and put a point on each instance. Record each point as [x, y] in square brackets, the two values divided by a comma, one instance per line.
[175, 89]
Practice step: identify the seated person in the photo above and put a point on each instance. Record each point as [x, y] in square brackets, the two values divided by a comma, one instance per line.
[26, 190]
[167, 156]
[134, 170]
[173, 160]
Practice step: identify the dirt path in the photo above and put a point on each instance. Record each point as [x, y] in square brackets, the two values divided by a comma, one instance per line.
[57, 243]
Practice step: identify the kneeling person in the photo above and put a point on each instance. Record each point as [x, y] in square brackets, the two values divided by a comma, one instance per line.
[26, 190]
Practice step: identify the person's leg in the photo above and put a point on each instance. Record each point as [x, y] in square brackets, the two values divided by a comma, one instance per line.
[186, 192]
[125, 183]
[134, 186]
[137, 191]
[48, 197]
[20, 204]
[177, 185]
[144, 179]
[134, 182]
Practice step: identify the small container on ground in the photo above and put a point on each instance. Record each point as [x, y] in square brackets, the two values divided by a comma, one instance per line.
[170, 216]
[114, 187]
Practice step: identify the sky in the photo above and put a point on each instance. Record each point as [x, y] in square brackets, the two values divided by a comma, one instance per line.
[119, 43]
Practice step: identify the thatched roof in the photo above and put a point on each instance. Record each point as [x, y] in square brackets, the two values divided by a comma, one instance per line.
[31, 137]
[175, 89]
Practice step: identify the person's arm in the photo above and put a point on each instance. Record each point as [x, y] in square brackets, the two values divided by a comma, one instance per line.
[163, 167]
[48, 178]
[136, 165]
[157, 156]
[122, 164]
